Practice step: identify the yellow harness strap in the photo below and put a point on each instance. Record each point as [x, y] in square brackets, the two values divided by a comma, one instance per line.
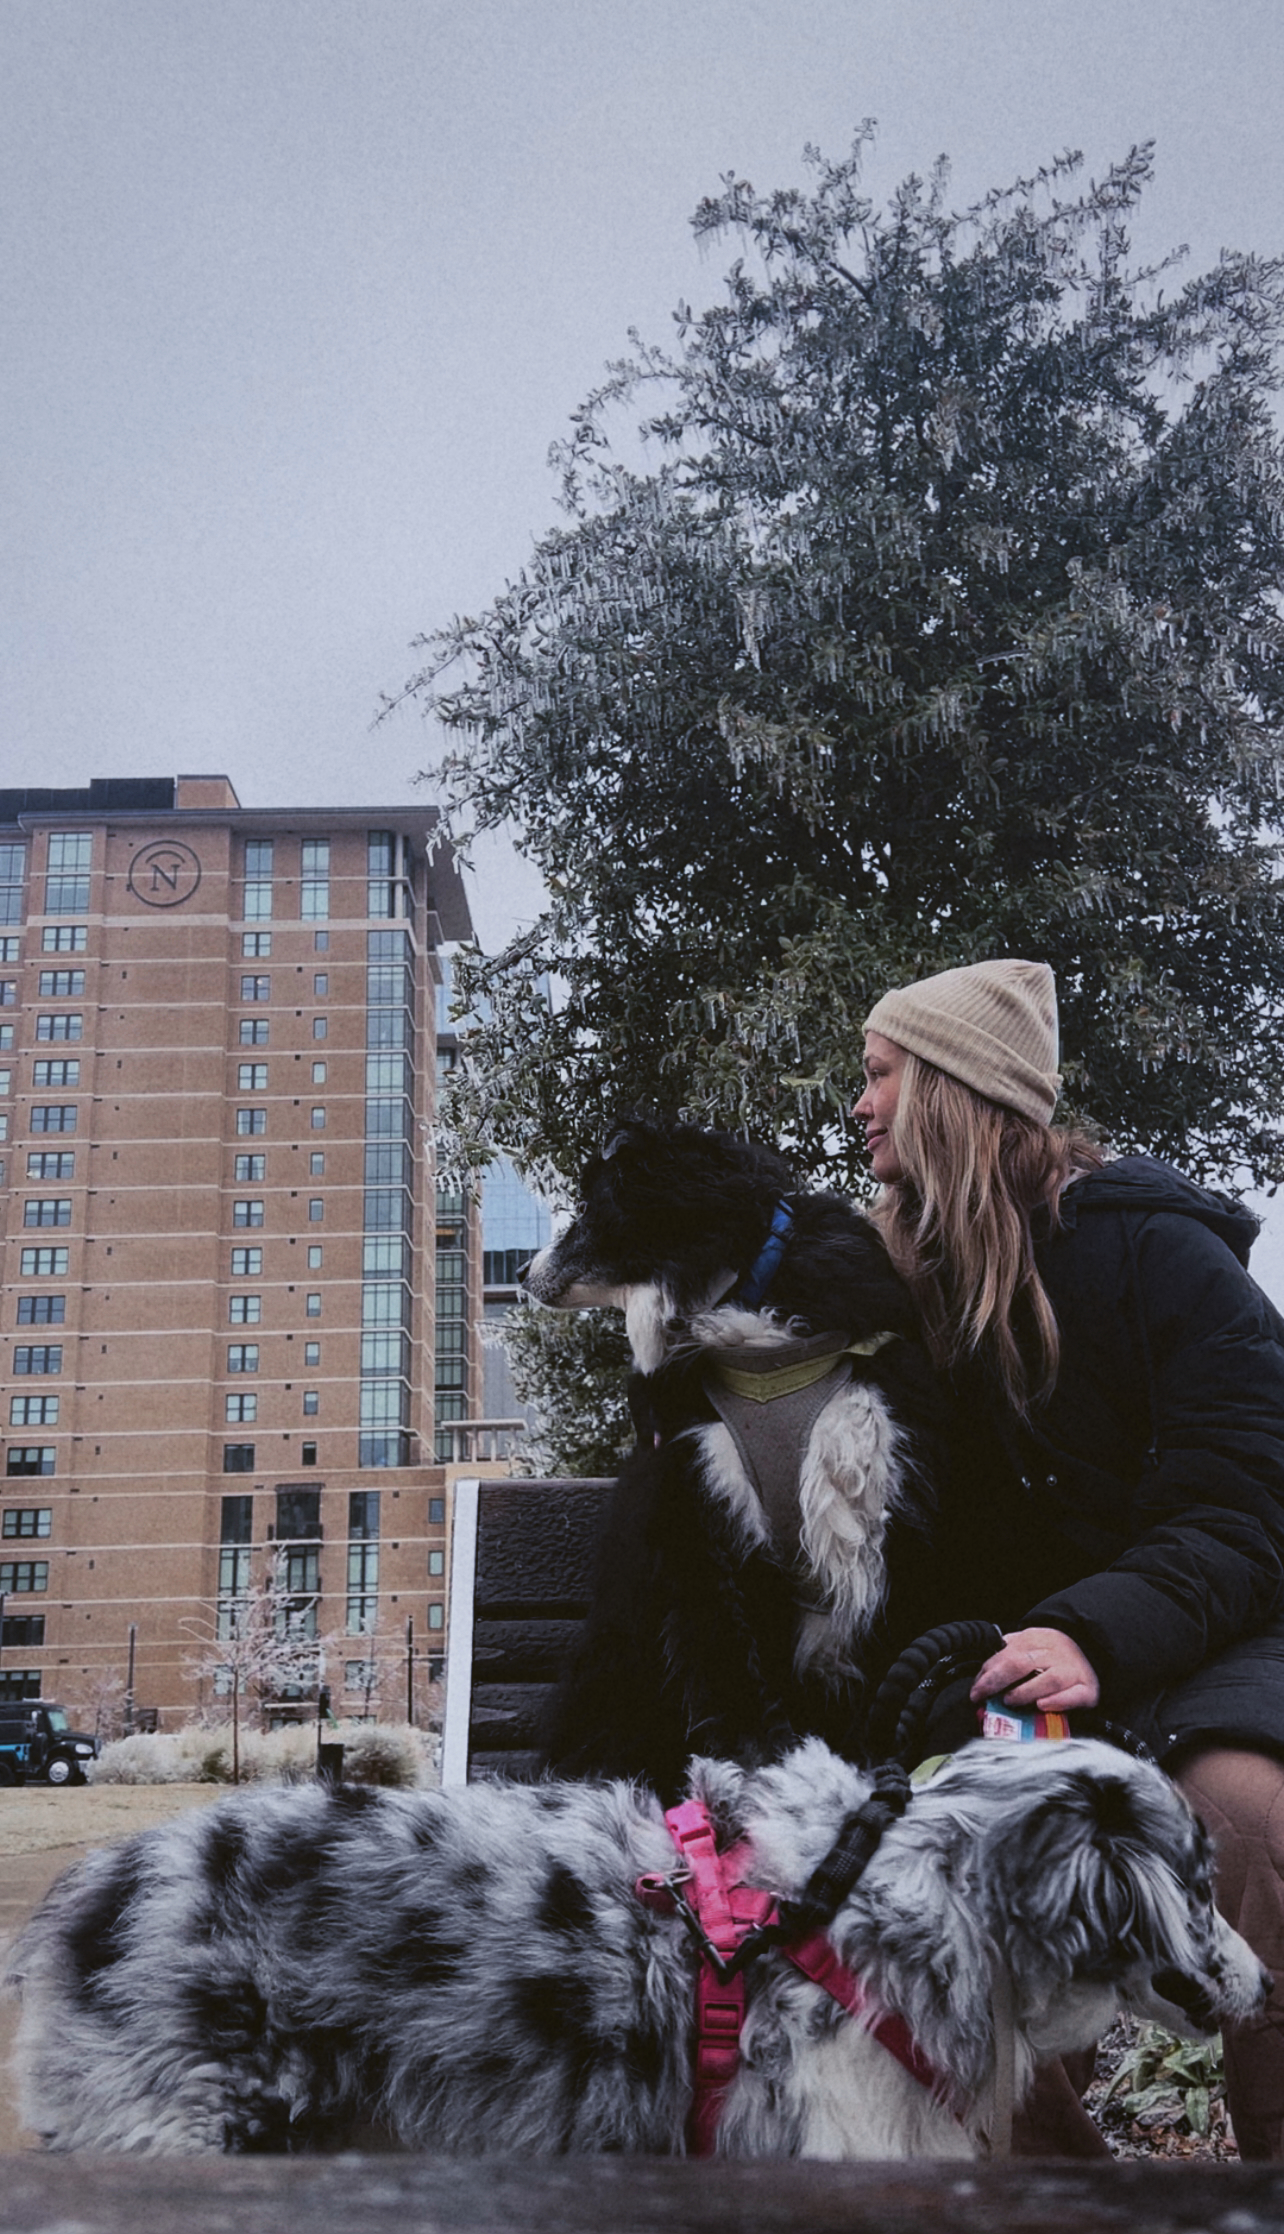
[785, 1380]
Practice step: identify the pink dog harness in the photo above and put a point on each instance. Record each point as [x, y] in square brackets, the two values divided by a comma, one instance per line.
[730, 1921]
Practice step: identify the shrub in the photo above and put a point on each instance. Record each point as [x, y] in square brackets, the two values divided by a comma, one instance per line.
[374, 1753]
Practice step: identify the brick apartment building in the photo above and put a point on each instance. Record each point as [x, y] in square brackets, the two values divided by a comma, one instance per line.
[219, 1230]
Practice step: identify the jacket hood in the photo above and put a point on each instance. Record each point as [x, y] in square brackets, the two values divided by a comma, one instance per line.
[1144, 1185]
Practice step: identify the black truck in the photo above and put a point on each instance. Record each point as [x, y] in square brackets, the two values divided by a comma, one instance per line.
[39, 1746]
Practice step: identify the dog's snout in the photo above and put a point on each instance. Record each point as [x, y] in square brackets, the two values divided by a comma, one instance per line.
[1267, 1978]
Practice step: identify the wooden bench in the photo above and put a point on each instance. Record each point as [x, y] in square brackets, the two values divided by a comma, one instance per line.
[626, 2195]
[520, 1562]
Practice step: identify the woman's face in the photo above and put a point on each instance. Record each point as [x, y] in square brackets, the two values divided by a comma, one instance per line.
[884, 1064]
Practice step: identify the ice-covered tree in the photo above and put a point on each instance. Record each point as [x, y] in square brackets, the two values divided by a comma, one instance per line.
[261, 1647]
[936, 616]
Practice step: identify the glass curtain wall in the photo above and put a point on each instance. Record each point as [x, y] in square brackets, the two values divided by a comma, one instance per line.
[386, 1265]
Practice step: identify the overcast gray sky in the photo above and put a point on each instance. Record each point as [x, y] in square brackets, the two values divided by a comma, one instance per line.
[299, 292]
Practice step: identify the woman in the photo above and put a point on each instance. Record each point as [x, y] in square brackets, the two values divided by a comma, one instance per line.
[1123, 1379]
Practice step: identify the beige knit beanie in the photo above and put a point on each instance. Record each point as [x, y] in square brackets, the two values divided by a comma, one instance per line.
[993, 1025]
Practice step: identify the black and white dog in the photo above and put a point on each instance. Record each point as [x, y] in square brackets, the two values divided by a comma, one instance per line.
[769, 1546]
[477, 1970]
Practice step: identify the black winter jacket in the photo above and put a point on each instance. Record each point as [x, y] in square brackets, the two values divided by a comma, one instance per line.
[1142, 1512]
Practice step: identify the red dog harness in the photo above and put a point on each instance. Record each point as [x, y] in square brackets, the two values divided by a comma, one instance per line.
[729, 1921]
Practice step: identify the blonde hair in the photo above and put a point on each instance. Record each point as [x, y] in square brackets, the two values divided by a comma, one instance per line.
[958, 1225]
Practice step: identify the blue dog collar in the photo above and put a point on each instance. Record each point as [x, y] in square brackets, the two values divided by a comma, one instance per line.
[751, 1290]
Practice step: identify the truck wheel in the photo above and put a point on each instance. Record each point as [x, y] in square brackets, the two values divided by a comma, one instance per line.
[61, 1770]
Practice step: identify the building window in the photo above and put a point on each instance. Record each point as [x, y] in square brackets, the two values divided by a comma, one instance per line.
[238, 1458]
[385, 1352]
[67, 881]
[316, 1210]
[308, 1454]
[436, 1616]
[244, 1310]
[13, 862]
[436, 1512]
[8, 992]
[248, 1211]
[318, 1120]
[61, 985]
[250, 1168]
[318, 1074]
[42, 1310]
[436, 1562]
[20, 1575]
[51, 1163]
[387, 1210]
[312, 1353]
[243, 1357]
[320, 942]
[44, 1264]
[256, 988]
[256, 945]
[64, 938]
[60, 1071]
[251, 1121]
[28, 1520]
[246, 1263]
[363, 1561]
[37, 1357]
[313, 1306]
[251, 1078]
[10, 949]
[60, 1024]
[298, 1514]
[255, 1031]
[320, 1027]
[53, 1117]
[240, 1409]
[311, 1403]
[381, 854]
[21, 1629]
[47, 1210]
[314, 1256]
[298, 1528]
[258, 879]
[320, 984]
[314, 898]
[30, 1458]
[236, 1522]
[33, 1411]
[316, 1164]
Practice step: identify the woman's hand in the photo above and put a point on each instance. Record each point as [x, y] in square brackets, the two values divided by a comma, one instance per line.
[1039, 1668]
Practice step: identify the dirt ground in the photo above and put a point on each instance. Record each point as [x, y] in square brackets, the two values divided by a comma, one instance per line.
[41, 1832]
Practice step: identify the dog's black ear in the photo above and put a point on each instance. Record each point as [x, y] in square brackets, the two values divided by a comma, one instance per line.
[1114, 1808]
[636, 1136]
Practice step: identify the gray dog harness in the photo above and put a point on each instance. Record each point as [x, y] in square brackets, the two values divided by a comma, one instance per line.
[770, 1400]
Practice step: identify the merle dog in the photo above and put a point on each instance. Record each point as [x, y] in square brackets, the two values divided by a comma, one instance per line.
[478, 1969]
[768, 1547]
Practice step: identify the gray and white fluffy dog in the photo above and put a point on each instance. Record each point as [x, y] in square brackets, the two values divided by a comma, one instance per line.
[473, 1970]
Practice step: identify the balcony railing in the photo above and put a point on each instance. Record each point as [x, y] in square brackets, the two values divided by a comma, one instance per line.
[464, 1442]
